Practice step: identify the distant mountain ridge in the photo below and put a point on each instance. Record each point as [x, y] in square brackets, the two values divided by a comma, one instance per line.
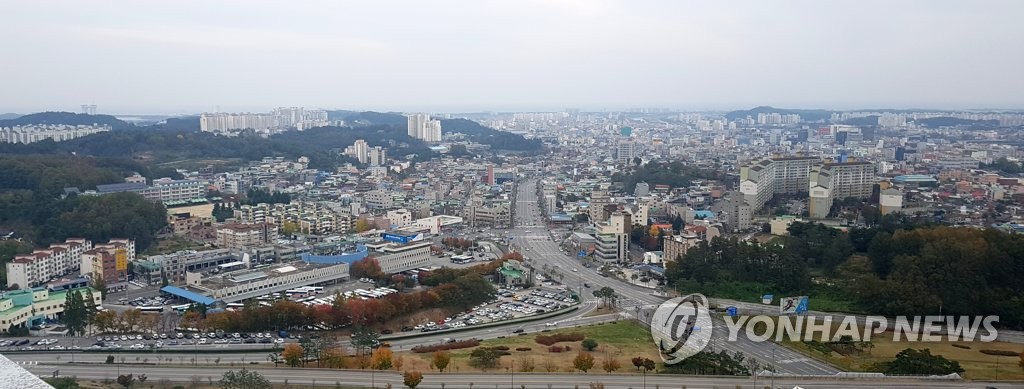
[69, 118]
[9, 116]
[805, 114]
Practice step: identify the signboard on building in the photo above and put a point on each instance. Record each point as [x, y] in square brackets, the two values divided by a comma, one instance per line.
[793, 305]
[121, 259]
[400, 238]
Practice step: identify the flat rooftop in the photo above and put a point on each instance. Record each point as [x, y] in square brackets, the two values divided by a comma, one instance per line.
[229, 279]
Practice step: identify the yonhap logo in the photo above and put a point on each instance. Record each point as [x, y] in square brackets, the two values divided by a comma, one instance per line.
[681, 327]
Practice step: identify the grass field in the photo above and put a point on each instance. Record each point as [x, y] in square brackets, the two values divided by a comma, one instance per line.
[620, 340]
[977, 366]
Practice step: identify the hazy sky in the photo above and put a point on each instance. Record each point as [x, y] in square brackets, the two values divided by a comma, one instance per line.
[192, 56]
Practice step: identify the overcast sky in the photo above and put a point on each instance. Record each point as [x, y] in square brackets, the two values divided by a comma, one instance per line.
[192, 56]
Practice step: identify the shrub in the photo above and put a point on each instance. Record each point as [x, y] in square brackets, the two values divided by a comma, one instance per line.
[502, 348]
[965, 347]
[555, 349]
[446, 346]
[523, 349]
[548, 340]
[1002, 353]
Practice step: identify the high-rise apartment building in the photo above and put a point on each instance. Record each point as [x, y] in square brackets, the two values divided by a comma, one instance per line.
[832, 181]
[762, 179]
[421, 126]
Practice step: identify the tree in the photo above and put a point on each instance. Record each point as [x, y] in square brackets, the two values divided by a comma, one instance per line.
[589, 344]
[292, 354]
[484, 357]
[648, 365]
[610, 365]
[440, 360]
[76, 314]
[244, 379]
[125, 380]
[584, 361]
[412, 379]
[365, 338]
[638, 362]
[62, 382]
[381, 359]
[362, 225]
[142, 379]
[921, 362]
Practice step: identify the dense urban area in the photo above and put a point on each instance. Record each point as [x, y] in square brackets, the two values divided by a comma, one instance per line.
[229, 248]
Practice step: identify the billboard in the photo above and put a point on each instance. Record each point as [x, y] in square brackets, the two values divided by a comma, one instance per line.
[793, 305]
[401, 238]
[121, 259]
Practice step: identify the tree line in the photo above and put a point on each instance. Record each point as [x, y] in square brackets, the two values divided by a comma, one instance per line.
[898, 267]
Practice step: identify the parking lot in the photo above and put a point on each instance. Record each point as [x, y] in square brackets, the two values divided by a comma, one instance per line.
[144, 342]
[509, 304]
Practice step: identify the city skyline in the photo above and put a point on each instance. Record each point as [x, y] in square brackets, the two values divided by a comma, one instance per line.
[195, 57]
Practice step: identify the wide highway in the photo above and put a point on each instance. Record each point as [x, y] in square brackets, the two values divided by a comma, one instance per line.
[497, 379]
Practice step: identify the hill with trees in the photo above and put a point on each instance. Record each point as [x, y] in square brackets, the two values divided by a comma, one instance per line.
[675, 174]
[498, 140]
[68, 118]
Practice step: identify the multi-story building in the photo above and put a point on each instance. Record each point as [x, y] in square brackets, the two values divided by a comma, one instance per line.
[838, 181]
[763, 179]
[246, 235]
[625, 150]
[359, 150]
[165, 190]
[598, 199]
[395, 257]
[378, 199]
[493, 213]
[30, 270]
[56, 132]
[307, 217]
[24, 308]
[611, 244]
[175, 265]
[377, 156]
[109, 262]
[400, 218]
[421, 126]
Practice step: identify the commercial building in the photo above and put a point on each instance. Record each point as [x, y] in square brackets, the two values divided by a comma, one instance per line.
[246, 284]
[24, 308]
[611, 244]
[495, 213]
[40, 266]
[396, 257]
[175, 265]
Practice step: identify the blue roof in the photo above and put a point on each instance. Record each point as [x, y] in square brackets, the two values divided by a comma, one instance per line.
[120, 187]
[704, 214]
[188, 295]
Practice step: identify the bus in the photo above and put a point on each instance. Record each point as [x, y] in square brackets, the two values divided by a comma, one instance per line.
[235, 305]
[152, 309]
[181, 308]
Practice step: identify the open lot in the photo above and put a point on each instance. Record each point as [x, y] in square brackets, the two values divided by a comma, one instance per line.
[882, 348]
[620, 340]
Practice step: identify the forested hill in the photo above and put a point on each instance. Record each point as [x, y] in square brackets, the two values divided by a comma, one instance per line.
[322, 145]
[805, 114]
[68, 118]
[498, 140]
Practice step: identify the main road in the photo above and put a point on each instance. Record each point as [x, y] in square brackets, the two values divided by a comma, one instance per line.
[531, 236]
[329, 378]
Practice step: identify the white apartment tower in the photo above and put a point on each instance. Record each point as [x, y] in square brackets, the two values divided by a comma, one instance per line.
[421, 126]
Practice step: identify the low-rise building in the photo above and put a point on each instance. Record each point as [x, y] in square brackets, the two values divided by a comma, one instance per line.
[236, 236]
[23, 308]
[29, 270]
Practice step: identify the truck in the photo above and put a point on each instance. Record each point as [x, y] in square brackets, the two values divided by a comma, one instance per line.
[282, 334]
